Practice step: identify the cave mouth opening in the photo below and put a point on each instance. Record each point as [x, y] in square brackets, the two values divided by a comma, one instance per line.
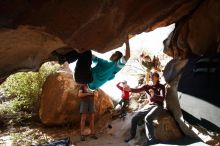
[150, 43]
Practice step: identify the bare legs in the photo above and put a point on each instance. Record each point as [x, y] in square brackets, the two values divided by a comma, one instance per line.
[82, 126]
[92, 119]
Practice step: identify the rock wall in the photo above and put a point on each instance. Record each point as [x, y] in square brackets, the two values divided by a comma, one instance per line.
[31, 30]
[172, 74]
[25, 48]
[99, 25]
[197, 33]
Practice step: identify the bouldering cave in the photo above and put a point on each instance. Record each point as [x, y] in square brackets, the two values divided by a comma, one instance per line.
[30, 30]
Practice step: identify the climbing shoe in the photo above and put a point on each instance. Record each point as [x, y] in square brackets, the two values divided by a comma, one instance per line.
[128, 139]
[59, 57]
[82, 138]
[94, 136]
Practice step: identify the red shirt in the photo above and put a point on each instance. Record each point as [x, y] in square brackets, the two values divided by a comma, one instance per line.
[125, 94]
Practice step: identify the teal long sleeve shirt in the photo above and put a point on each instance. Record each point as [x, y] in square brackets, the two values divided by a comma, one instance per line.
[105, 71]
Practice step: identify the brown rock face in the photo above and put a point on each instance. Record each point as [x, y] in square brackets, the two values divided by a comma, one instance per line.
[198, 32]
[59, 103]
[25, 48]
[99, 25]
[166, 127]
[83, 25]
[172, 74]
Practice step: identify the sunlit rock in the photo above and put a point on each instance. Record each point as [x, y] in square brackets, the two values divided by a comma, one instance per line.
[59, 103]
[166, 127]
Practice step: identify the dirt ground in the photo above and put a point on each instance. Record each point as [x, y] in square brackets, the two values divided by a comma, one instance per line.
[36, 133]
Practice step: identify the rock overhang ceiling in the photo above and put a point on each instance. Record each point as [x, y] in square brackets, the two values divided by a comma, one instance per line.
[31, 29]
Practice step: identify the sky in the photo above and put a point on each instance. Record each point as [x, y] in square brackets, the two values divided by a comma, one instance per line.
[151, 41]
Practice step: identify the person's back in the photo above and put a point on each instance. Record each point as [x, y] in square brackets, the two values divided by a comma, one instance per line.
[104, 71]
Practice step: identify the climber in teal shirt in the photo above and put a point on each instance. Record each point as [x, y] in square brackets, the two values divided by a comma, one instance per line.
[105, 70]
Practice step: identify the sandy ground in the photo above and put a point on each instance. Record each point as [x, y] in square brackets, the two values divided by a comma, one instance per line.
[112, 136]
[38, 134]
[104, 140]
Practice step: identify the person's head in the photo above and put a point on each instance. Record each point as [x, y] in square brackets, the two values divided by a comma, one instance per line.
[155, 78]
[124, 82]
[147, 58]
[116, 56]
[125, 86]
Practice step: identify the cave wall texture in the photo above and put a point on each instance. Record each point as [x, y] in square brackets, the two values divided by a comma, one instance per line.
[31, 29]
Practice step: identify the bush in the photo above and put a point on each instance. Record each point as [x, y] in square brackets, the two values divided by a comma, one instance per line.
[25, 87]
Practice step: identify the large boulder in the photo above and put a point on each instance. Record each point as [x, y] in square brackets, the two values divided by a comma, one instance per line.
[59, 103]
[166, 128]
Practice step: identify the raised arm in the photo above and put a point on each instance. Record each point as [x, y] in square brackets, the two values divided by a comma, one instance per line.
[144, 88]
[119, 87]
[127, 51]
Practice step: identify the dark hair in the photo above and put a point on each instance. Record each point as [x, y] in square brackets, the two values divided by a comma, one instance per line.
[119, 54]
[155, 74]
